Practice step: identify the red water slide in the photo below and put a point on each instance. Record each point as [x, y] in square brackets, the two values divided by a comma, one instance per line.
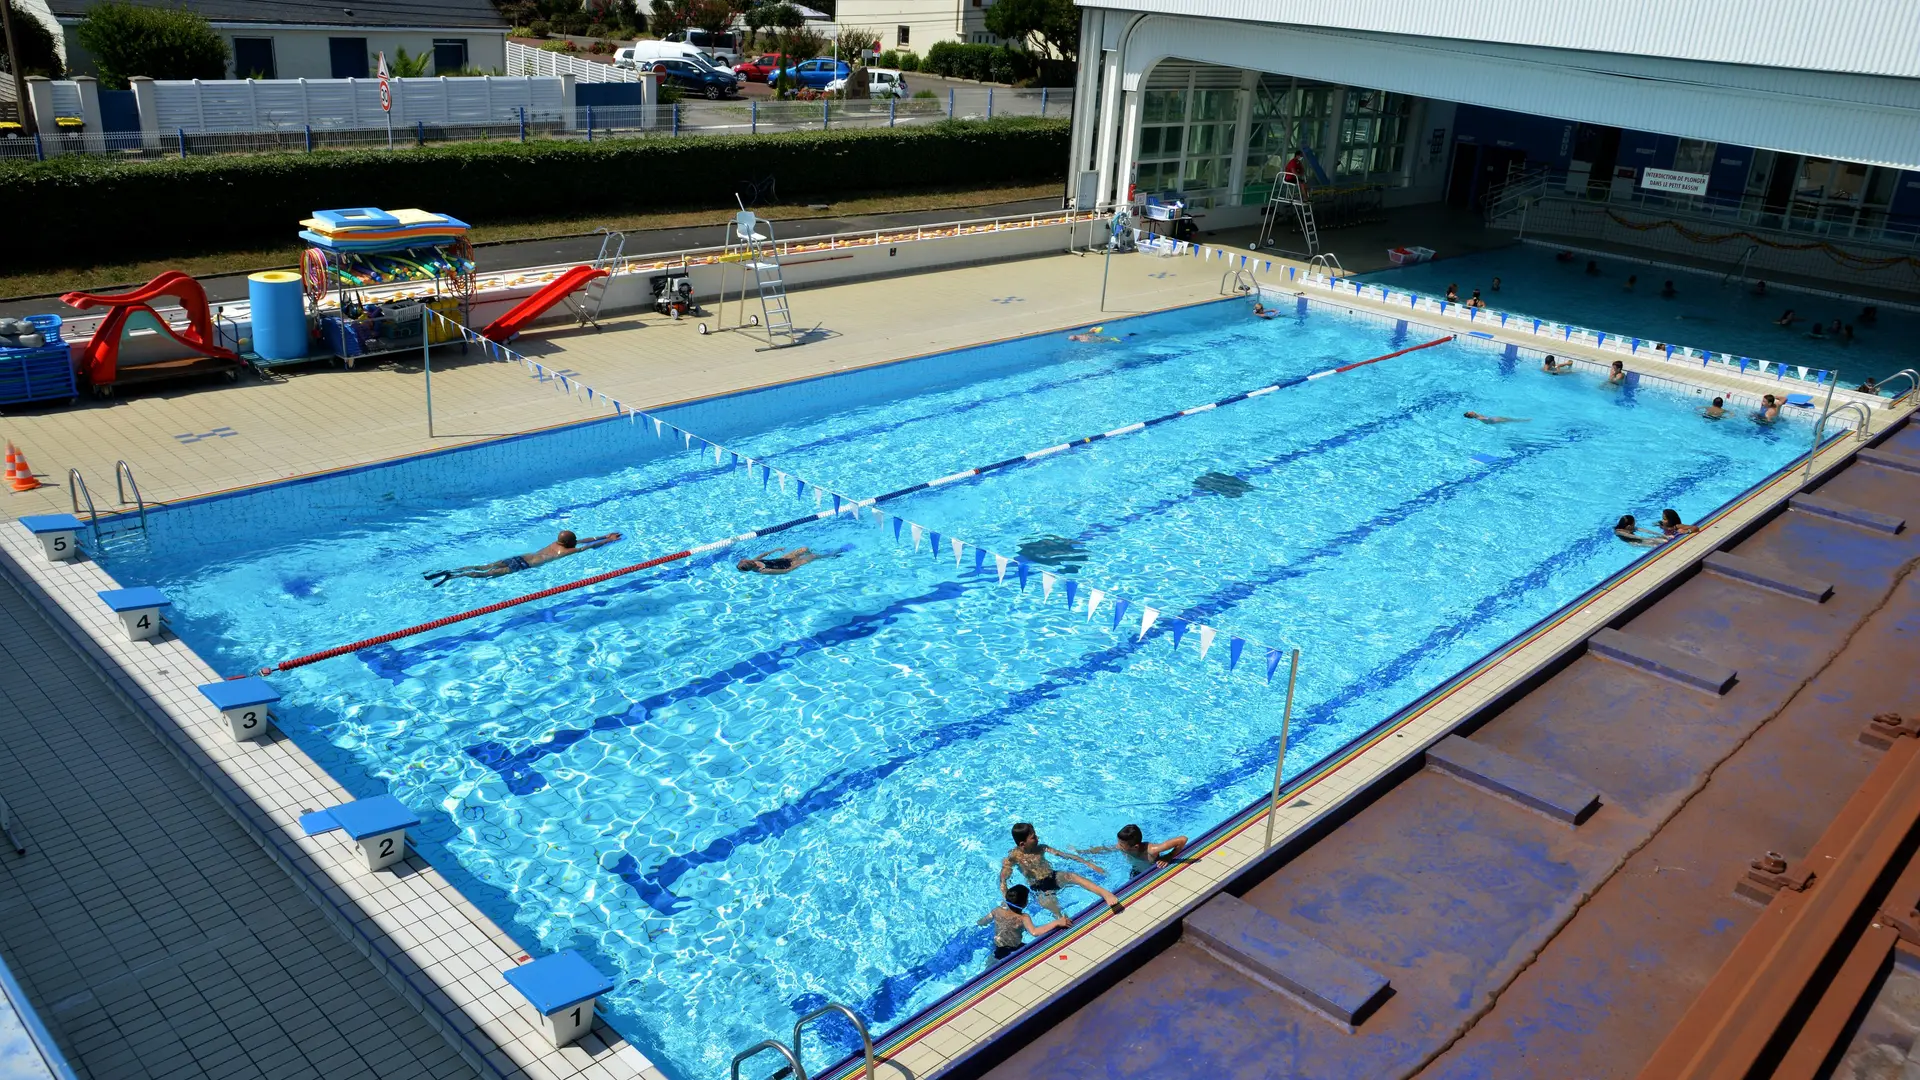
[100, 359]
[524, 312]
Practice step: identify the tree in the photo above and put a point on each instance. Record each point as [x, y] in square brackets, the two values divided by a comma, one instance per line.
[1047, 27]
[160, 43]
[402, 66]
[855, 40]
[38, 55]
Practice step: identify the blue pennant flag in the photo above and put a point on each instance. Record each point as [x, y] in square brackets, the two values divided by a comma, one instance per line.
[540, 371]
[1235, 646]
[589, 393]
[799, 488]
[897, 523]
[1178, 628]
[736, 458]
[1273, 661]
[836, 509]
[766, 474]
[979, 560]
[1020, 568]
[1119, 609]
[936, 543]
[1072, 587]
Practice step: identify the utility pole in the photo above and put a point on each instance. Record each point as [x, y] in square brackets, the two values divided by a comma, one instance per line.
[13, 62]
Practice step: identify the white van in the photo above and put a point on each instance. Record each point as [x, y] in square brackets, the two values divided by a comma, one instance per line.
[724, 49]
[642, 51]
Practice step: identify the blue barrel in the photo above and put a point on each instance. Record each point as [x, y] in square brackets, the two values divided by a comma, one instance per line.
[279, 315]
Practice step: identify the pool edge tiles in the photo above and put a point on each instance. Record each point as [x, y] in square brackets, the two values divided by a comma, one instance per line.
[974, 1016]
[436, 948]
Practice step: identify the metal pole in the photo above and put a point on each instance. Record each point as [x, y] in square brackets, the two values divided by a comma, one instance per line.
[1807, 476]
[949, 102]
[1106, 268]
[182, 132]
[309, 138]
[676, 120]
[753, 113]
[823, 114]
[1043, 102]
[589, 123]
[523, 123]
[1280, 765]
[426, 359]
[890, 104]
[989, 102]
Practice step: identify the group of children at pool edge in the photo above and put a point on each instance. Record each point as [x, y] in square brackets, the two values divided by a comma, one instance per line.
[1010, 920]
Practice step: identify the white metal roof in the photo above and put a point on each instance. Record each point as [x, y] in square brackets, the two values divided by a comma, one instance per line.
[1872, 37]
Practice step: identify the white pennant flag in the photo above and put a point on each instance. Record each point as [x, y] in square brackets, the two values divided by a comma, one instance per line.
[1206, 640]
[1093, 601]
[1046, 585]
[1147, 615]
[783, 480]
[957, 545]
[915, 530]
[686, 439]
[816, 497]
[1001, 562]
[657, 433]
[716, 453]
[879, 517]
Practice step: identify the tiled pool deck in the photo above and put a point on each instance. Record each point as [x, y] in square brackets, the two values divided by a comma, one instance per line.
[417, 929]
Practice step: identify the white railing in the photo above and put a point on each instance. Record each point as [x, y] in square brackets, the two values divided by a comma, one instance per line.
[524, 61]
[199, 107]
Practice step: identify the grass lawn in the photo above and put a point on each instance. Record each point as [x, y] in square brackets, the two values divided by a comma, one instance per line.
[109, 274]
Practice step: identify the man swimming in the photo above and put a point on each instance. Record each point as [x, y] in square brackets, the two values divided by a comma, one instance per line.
[1030, 855]
[1141, 855]
[1498, 419]
[566, 544]
[1716, 410]
[1769, 410]
[1262, 311]
[774, 562]
[1010, 920]
[1556, 367]
[1093, 335]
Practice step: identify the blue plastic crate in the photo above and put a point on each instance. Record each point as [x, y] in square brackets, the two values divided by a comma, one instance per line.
[42, 374]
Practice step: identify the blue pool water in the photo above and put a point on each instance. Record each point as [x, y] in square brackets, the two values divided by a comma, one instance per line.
[1704, 314]
[743, 795]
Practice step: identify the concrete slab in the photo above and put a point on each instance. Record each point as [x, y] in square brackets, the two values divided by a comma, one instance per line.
[1852, 515]
[1559, 797]
[1885, 460]
[1290, 962]
[1766, 575]
[1663, 661]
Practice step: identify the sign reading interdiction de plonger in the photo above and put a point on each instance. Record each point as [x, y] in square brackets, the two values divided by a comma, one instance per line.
[1679, 183]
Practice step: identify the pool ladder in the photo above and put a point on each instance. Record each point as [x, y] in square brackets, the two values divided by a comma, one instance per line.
[1860, 431]
[1237, 281]
[1327, 263]
[1912, 377]
[613, 245]
[794, 1070]
[123, 481]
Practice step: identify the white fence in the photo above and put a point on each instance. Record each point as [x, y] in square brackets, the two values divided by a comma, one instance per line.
[524, 61]
[264, 105]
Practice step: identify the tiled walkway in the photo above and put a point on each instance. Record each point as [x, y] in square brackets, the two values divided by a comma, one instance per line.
[156, 938]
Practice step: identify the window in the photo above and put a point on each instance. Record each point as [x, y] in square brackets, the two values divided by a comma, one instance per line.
[1373, 133]
[253, 58]
[900, 35]
[449, 55]
[1186, 141]
[982, 37]
[1286, 117]
[1694, 156]
[349, 57]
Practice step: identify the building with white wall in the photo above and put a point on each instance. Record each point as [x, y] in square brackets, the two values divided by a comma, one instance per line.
[917, 25]
[308, 39]
[1813, 110]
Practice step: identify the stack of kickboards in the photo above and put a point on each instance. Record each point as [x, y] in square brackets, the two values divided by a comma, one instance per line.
[370, 229]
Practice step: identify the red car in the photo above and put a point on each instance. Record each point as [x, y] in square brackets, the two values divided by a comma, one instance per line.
[758, 70]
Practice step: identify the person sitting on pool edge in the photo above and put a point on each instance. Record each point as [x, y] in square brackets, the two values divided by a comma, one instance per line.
[1010, 920]
[566, 544]
[773, 562]
[1716, 410]
[1672, 527]
[1030, 855]
[1556, 367]
[1498, 419]
[1627, 530]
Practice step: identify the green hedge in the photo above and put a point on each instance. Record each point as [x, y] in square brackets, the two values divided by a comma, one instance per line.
[88, 209]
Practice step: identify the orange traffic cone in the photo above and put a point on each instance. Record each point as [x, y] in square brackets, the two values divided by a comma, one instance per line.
[19, 477]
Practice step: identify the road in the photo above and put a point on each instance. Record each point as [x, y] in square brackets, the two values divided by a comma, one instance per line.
[507, 255]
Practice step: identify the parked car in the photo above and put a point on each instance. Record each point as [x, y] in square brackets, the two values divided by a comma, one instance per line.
[695, 77]
[723, 48]
[815, 74]
[641, 52]
[758, 70]
[881, 83]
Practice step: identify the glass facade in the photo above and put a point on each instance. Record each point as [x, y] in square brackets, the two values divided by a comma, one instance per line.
[1373, 135]
[1287, 115]
[1186, 143]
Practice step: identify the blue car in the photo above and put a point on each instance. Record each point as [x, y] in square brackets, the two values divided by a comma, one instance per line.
[814, 74]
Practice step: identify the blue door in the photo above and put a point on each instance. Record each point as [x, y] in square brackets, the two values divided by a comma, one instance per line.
[349, 56]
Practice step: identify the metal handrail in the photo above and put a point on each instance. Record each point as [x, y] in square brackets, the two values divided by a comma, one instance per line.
[859, 1025]
[1820, 426]
[77, 490]
[1912, 377]
[1251, 284]
[1329, 263]
[793, 1060]
[1746, 258]
[122, 480]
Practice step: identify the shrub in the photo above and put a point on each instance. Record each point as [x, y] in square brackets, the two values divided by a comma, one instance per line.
[38, 55]
[539, 28]
[94, 205]
[908, 62]
[561, 45]
[603, 47]
[888, 59]
[984, 63]
[160, 43]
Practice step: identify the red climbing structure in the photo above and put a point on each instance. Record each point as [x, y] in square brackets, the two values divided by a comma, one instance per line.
[100, 360]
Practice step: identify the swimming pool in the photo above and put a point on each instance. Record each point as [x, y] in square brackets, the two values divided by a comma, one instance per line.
[1703, 315]
[744, 795]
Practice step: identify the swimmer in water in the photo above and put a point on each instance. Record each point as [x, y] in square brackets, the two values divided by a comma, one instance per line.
[1869, 387]
[1716, 410]
[1474, 301]
[1010, 920]
[1498, 419]
[1030, 855]
[1261, 311]
[1759, 288]
[1496, 285]
[1593, 268]
[1672, 527]
[1787, 318]
[1632, 280]
[1619, 373]
[1668, 292]
[1453, 294]
[566, 544]
[1094, 335]
[1564, 256]
[774, 562]
[1556, 367]
[1769, 410]
[1627, 530]
[1141, 856]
